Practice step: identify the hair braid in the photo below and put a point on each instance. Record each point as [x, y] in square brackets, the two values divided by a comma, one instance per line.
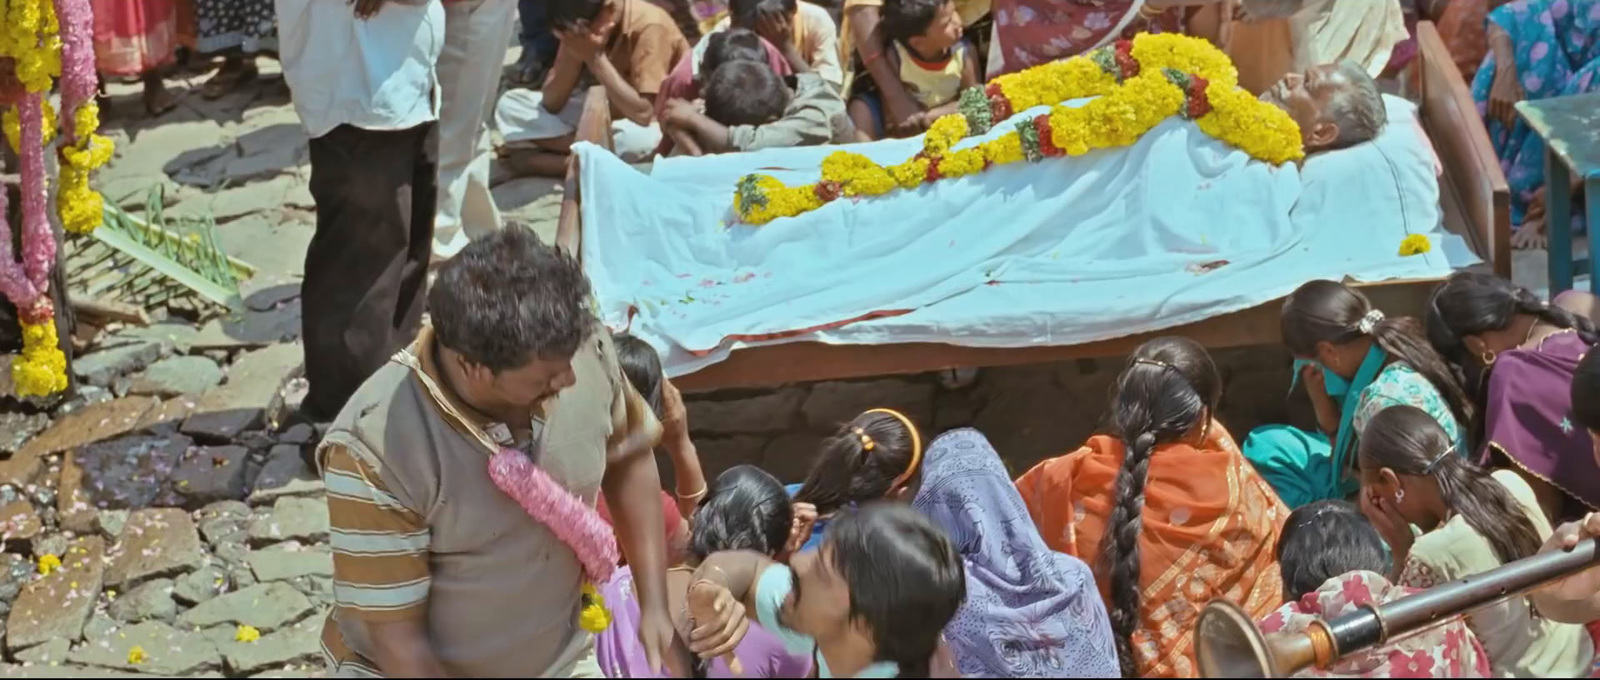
[1121, 552]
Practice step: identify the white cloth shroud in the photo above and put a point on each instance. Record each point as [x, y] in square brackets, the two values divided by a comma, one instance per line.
[1173, 229]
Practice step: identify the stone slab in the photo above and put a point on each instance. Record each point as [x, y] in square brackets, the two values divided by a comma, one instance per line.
[156, 543]
[58, 605]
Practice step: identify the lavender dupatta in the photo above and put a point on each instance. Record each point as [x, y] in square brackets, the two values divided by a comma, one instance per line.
[1030, 612]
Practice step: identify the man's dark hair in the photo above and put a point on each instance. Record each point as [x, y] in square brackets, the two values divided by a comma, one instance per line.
[905, 578]
[745, 13]
[907, 19]
[734, 44]
[508, 298]
[641, 364]
[745, 93]
[1324, 540]
[565, 15]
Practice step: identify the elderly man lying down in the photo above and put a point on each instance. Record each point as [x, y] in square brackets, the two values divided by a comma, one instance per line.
[1175, 227]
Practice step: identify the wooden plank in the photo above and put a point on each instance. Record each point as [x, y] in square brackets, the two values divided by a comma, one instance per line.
[1473, 183]
[594, 126]
[806, 361]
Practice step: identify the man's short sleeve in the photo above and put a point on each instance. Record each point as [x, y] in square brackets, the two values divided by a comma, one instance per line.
[808, 120]
[380, 547]
[656, 49]
[772, 589]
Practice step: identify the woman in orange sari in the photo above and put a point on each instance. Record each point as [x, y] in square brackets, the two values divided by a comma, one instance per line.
[1167, 510]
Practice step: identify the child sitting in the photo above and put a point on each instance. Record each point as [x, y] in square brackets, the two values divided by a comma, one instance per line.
[932, 61]
[687, 79]
[629, 46]
[1324, 540]
[748, 107]
[1333, 562]
[871, 602]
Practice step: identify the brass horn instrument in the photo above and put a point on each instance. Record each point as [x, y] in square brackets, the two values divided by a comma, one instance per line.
[1229, 645]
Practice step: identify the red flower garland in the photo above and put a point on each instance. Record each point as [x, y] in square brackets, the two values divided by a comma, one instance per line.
[1047, 144]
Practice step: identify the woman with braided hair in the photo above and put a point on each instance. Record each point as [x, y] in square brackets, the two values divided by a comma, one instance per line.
[1165, 508]
[1523, 352]
[1354, 361]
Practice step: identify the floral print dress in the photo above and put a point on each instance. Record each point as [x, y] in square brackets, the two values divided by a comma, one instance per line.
[1557, 47]
[1398, 384]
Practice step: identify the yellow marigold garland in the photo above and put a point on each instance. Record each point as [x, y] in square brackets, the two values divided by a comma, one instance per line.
[1137, 84]
[41, 369]
[37, 42]
[13, 125]
[81, 208]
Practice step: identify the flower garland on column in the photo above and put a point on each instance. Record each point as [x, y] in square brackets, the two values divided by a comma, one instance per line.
[1137, 84]
[44, 39]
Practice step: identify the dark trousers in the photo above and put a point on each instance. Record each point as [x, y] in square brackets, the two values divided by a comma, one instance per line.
[367, 265]
[536, 37]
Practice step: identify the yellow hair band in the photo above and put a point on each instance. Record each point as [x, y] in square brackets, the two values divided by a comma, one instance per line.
[916, 445]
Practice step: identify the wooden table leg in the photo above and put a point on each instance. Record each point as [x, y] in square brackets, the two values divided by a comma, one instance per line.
[1591, 201]
[1558, 222]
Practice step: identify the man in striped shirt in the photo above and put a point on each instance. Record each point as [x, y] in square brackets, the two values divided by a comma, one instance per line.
[437, 572]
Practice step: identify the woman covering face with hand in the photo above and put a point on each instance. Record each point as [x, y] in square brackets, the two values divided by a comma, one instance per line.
[1472, 522]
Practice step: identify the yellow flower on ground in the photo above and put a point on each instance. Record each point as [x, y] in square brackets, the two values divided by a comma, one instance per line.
[246, 634]
[137, 656]
[1415, 244]
[48, 563]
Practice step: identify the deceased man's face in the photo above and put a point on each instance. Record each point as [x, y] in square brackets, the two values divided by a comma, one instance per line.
[1306, 96]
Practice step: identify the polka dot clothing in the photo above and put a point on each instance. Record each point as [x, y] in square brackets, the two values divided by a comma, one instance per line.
[250, 25]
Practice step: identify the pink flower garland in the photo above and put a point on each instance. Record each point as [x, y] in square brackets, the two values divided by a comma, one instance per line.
[13, 282]
[38, 242]
[78, 80]
[547, 502]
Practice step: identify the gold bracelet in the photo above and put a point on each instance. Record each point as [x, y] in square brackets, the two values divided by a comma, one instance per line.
[1149, 12]
[693, 496]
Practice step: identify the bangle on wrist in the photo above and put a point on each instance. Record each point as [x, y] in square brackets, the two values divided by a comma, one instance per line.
[693, 496]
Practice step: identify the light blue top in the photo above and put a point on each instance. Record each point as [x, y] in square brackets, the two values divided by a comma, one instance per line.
[772, 589]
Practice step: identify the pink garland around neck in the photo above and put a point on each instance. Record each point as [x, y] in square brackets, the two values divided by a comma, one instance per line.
[78, 80]
[547, 502]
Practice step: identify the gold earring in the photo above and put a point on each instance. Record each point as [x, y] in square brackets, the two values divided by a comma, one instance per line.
[1487, 357]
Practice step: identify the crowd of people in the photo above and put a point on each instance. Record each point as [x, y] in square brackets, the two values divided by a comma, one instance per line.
[493, 491]
[907, 552]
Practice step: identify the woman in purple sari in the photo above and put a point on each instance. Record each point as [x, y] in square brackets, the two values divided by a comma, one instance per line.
[745, 509]
[1030, 612]
[1524, 352]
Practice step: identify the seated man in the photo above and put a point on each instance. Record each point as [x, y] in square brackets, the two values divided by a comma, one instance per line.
[748, 107]
[628, 46]
[801, 31]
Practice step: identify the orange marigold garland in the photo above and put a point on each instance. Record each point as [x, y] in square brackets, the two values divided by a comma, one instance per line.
[1136, 84]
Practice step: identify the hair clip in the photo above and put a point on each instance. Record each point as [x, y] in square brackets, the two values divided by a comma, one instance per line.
[1370, 322]
[1438, 459]
[1154, 362]
[866, 440]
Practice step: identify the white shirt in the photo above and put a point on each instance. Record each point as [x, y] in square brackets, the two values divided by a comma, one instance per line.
[376, 74]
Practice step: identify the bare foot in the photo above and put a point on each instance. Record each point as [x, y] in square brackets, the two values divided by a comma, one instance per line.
[157, 98]
[1530, 236]
[229, 77]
